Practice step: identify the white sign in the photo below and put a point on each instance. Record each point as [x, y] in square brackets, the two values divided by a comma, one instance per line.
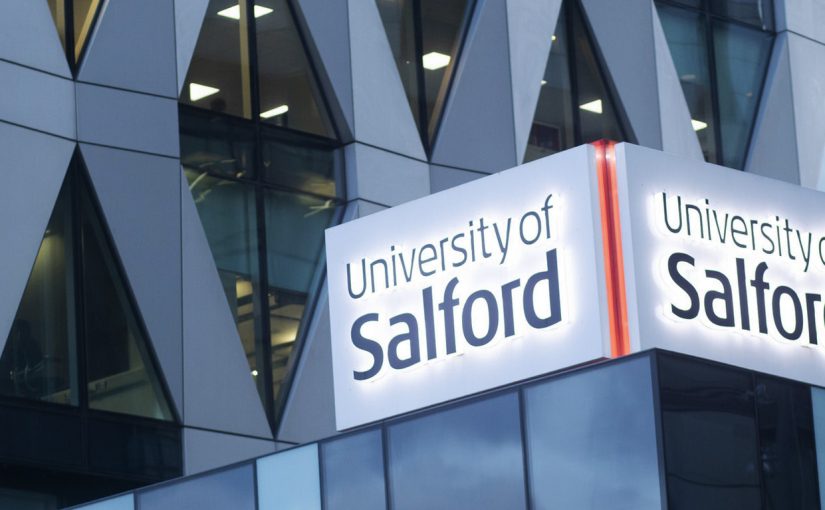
[723, 265]
[494, 282]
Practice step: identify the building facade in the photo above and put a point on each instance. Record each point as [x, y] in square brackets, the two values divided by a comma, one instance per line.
[170, 167]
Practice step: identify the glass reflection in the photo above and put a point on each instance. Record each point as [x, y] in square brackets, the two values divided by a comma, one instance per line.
[233, 488]
[755, 12]
[398, 18]
[216, 144]
[290, 480]
[353, 469]
[301, 165]
[466, 457]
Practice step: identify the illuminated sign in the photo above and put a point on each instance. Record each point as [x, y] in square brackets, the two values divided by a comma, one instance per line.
[722, 264]
[494, 282]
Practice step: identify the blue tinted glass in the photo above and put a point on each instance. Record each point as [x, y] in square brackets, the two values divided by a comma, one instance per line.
[289, 480]
[354, 472]
[126, 502]
[818, 401]
[468, 457]
[591, 440]
[226, 489]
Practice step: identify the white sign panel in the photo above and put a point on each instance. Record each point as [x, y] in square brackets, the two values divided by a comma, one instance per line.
[493, 282]
[723, 265]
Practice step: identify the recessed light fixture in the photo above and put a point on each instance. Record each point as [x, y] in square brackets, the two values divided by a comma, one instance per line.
[435, 60]
[543, 82]
[592, 106]
[254, 373]
[278, 110]
[698, 125]
[553, 37]
[234, 12]
[198, 91]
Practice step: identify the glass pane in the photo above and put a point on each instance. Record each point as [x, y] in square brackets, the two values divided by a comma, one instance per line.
[20, 500]
[687, 39]
[234, 488]
[227, 212]
[755, 12]
[58, 10]
[742, 57]
[710, 436]
[40, 357]
[120, 372]
[466, 457]
[300, 164]
[552, 129]
[818, 402]
[289, 480]
[582, 427]
[597, 115]
[441, 24]
[354, 472]
[218, 77]
[399, 24]
[216, 144]
[295, 226]
[788, 453]
[288, 92]
[126, 502]
[84, 12]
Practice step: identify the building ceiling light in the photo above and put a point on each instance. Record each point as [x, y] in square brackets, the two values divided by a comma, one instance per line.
[553, 37]
[543, 82]
[278, 110]
[698, 125]
[198, 91]
[234, 12]
[254, 373]
[435, 60]
[592, 106]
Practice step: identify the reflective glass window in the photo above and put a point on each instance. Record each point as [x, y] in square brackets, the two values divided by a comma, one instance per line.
[217, 145]
[126, 502]
[755, 12]
[818, 404]
[353, 468]
[290, 480]
[75, 21]
[233, 488]
[398, 18]
[591, 439]
[300, 164]
[466, 457]
[710, 436]
[574, 105]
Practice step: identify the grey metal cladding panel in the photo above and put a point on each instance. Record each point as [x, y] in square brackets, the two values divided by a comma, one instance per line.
[476, 130]
[365, 208]
[442, 177]
[128, 120]
[133, 47]
[219, 393]
[384, 177]
[38, 100]
[28, 36]
[32, 167]
[624, 35]
[309, 414]
[773, 145]
[678, 136]
[382, 115]
[204, 450]
[804, 17]
[529, 23]
[808, 84]
[328, 36]
[140, 198]
[189, 16]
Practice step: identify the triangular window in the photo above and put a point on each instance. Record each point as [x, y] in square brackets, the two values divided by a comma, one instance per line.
[575, 104]
[75, 20]
[274, 84]
[76, 338]
[425, 38]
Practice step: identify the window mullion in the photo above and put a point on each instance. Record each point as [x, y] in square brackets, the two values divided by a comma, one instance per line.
[714, 85]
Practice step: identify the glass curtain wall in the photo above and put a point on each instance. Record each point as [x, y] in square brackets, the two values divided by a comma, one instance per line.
[263, 165]
[575, 104]
[425, 37]
[721, 50]
[74, 20]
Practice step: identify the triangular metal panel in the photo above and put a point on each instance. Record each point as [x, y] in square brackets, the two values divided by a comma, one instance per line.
[32, 168]
[530, 28]
[476, 129]
[773, 144]
[139, 196]
[204, 450]
[189, 16]
[808, 83]
[133, 48]
[329, 38]
[382, 115]
[28, 36]
[678, 136]
[623, 32]
[219, 393]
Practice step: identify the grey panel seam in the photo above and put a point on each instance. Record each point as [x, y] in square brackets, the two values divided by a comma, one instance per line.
[811, 39]
[121, 89]
[390, 151]
[23, 126]
[126, 149]
[32, 68]
[236, 434]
